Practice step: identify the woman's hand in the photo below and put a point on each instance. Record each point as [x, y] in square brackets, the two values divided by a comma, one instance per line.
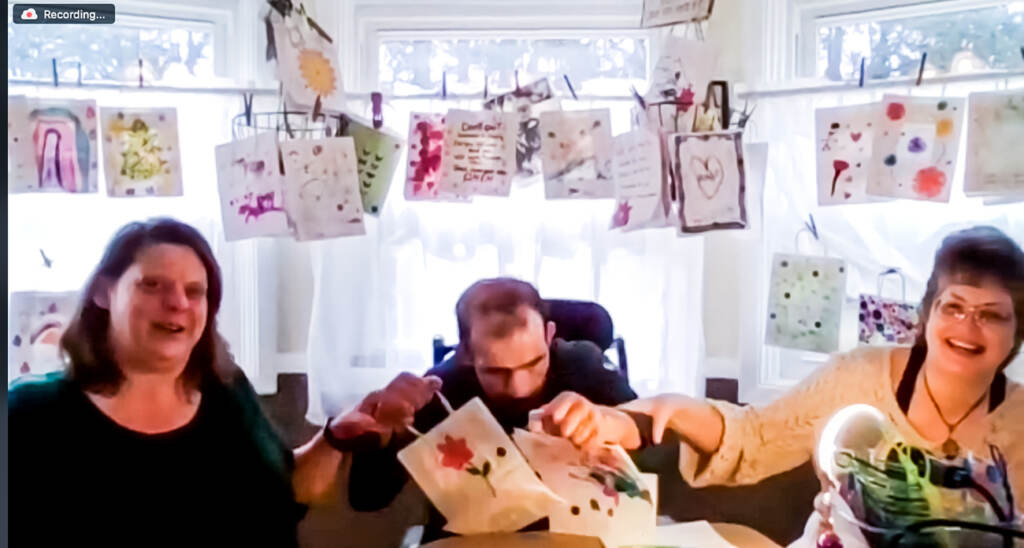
[694, 420]
[585, 424]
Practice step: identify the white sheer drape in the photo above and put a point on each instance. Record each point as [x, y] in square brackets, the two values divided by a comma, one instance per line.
[870, 237]
[380, 299]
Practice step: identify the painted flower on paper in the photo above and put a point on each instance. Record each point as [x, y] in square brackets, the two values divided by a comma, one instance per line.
[456, 454]
[317, 72]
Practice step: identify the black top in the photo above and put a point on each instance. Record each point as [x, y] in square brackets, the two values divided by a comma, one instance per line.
[377, 477]
[80, 479]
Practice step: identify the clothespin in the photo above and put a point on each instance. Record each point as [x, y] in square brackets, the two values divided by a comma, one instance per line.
[284, 7]
[318, 109]
[287, 124]
[515, 74]
[811, 227]
[376, 99]
[1022, 52]
[247, 101]
[485, 88]
[639, 98]
[47, 262]
[444, 84]
[861, 83]
[920, 70]
[79, 73]
[571, 90]
[271, 46]
[53, 64]
[140, 72]
[342, 125]
[745, 116]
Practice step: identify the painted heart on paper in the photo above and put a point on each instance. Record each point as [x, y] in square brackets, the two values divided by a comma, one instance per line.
[709, 173]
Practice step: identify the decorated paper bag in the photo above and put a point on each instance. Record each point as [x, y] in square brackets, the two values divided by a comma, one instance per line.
[479, 153]
[641, 199]
[251, 188]
[321, 188]
[805, 302]
[140, 152]
[426, 154]
[995, 131]
[475, 476]
[844, 145]
[307, 62]
[914, 148]
[657, 13]
[52, 144]
[679, 82]
[37, 321]
[377, 154]
[604, 494]
[526, 103]
[577, 153]
[708, 168]
[884, 321]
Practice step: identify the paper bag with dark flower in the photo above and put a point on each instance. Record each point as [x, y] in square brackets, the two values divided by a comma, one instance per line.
[605, 495]
[475, 476]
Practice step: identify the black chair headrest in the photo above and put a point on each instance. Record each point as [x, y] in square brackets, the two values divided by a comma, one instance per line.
[581, 320]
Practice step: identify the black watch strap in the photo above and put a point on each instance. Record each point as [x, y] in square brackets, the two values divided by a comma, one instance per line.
[367, 441]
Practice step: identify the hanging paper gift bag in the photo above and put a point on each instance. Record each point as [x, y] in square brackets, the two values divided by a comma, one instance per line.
[475, 476]
[35, 324]
[884, 321]
[805, 301]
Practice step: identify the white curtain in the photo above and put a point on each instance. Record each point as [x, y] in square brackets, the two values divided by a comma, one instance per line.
[379, 300]
[869, 237]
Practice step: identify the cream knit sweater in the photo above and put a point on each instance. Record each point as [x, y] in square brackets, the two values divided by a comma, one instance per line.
[760, 441]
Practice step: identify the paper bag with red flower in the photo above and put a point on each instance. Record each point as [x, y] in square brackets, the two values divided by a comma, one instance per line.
[476, 477]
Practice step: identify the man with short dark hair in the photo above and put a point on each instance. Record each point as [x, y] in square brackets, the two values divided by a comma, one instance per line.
[507, 356]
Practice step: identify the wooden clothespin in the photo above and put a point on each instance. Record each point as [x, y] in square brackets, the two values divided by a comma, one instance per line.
[861, 82]
[745, 115]
[485, 88]
[79, 73]
[515, 75]
[140, 72]
[247, 102]
[53, 64]
[920, 70]
[444, 84]
[571, 90]
[377, 100]
[284, 7]
[47, 262]
[342, 128]
[318, 109]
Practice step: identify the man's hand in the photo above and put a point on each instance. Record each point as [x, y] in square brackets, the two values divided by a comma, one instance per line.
[389, 410]
[586, 425]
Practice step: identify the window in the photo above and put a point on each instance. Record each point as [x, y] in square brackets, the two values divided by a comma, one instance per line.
[595, 65]
[172, 50]
[957, 36]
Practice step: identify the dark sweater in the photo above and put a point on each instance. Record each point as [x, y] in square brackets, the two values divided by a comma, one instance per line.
[80, 479]
[377, 477]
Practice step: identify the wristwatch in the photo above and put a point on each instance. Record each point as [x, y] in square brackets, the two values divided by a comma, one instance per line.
[366, 441]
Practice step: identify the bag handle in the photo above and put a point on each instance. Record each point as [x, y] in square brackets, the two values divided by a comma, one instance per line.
[805, 230]
[444, 403]
[893, 272]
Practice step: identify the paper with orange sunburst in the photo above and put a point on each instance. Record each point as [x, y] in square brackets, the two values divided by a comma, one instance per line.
[307, 65]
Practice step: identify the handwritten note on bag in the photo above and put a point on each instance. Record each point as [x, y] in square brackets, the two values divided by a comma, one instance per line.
[479, 154]
[640, 200]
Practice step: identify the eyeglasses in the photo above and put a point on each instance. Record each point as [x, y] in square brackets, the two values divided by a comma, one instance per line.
[981, 315]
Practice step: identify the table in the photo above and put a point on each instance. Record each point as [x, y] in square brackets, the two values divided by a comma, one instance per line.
[738, 535]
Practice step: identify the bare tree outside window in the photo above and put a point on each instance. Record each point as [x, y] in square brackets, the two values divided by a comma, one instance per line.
[968, 40]
[111, 52]
[594, 65]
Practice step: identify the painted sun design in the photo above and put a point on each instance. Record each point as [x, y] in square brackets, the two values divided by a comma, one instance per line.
[317, 71]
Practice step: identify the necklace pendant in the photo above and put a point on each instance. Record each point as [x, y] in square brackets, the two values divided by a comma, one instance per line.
[950, 448]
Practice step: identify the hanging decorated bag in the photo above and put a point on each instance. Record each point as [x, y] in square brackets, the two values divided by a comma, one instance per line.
[474, 474]
[884, 321]
[805, 301]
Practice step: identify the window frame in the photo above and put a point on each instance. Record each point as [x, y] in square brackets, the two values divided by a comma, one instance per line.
[812, 14]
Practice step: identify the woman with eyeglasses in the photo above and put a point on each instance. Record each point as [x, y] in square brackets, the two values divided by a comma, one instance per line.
[946, 394]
